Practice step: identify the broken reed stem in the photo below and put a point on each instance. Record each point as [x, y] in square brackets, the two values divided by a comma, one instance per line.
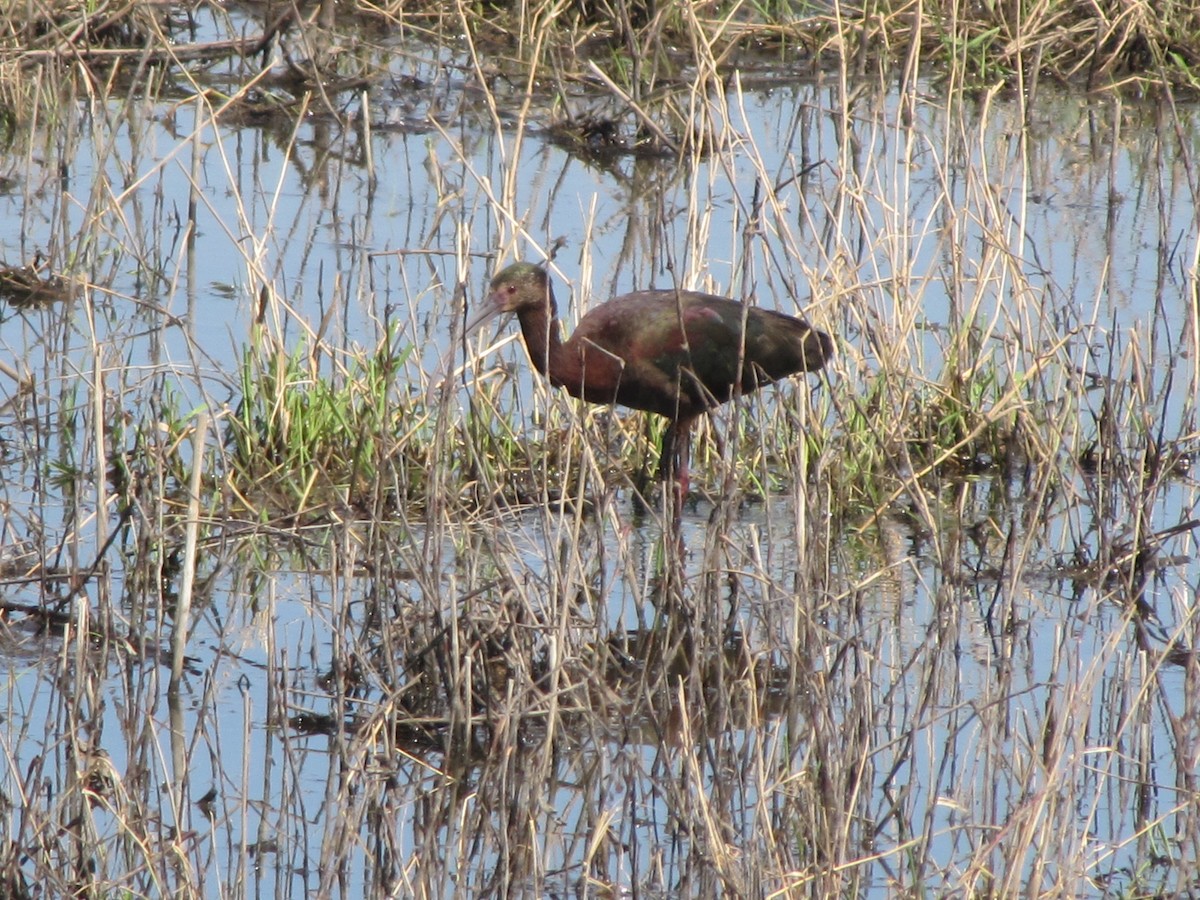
[183, 609]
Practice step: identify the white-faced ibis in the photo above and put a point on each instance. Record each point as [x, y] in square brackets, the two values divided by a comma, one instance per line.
[675, 353]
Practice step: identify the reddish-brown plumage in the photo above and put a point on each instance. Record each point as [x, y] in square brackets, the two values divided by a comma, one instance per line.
[675, 353]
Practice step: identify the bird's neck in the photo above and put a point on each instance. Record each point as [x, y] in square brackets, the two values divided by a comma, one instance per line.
[543, 340]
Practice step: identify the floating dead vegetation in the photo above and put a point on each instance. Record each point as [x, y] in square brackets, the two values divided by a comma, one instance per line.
[592, 137]
[487, 676]
[74, 25]
[32, 285]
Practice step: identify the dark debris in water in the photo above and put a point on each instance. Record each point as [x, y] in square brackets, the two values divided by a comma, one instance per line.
[1169, 461]
[310, 723]
[26, 286]
[603, 141]
[416, 735]
[1184, 657]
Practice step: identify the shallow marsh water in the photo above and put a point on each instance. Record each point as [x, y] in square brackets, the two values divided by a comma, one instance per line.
[829, 700]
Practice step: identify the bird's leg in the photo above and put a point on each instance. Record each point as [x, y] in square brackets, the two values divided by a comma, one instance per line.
[683, 446]
[643, 475]
[673, 459]
[667, 461]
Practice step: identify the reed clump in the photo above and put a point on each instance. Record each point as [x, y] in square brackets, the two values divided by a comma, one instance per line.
[63, 27]
[972, 44]
[302, 440]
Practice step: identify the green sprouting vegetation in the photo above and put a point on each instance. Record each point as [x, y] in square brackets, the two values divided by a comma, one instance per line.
[302, 440]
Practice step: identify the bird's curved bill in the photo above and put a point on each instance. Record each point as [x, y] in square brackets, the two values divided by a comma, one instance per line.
[488, 310]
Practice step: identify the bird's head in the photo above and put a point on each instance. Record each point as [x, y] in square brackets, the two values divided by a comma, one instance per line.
[521, 287]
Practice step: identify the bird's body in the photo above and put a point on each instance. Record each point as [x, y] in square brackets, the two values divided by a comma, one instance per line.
[675, 353]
